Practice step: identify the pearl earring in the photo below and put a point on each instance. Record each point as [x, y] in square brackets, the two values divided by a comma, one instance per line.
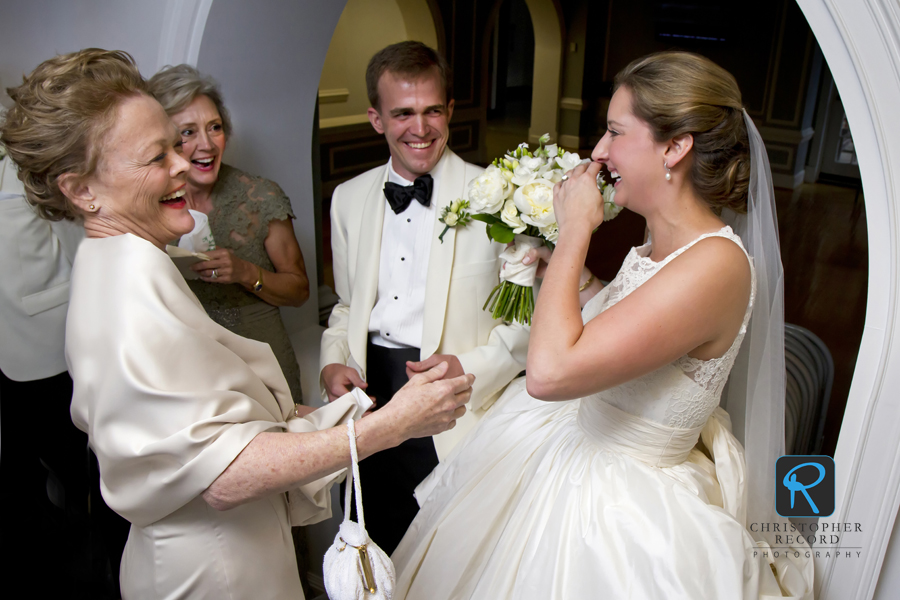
[91, 207]
[668, 171]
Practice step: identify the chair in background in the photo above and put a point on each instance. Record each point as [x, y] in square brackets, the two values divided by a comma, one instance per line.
[809, 373]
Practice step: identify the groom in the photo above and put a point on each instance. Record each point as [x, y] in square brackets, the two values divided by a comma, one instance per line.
[407, 300]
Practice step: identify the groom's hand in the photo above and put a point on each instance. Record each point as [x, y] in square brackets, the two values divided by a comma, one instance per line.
[454, 367]
[429, 403]
[340, 379]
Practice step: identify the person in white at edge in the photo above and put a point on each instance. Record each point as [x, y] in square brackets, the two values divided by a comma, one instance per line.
[407, 300]
[35, 263]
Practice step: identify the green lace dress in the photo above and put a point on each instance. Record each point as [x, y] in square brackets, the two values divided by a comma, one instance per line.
[243, 207]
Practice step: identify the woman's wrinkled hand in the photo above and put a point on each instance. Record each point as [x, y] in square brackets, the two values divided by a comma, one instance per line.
[224, 267]
[577, 202]
[428, 404]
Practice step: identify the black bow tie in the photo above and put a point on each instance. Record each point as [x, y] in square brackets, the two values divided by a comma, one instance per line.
[399, 196]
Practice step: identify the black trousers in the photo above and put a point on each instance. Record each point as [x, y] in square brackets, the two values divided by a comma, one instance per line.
[53, 551]
[389, 477]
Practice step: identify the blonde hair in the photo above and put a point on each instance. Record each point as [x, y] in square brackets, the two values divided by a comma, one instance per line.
[176, 87]
[678, 93]
[61, 113]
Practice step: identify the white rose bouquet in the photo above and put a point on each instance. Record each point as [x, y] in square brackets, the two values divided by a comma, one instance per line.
[514, 198]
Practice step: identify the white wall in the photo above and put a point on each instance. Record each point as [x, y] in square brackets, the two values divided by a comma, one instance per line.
[267, 57]
[32, 31]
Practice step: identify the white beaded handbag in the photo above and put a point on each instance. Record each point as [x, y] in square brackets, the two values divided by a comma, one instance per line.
[355, 567]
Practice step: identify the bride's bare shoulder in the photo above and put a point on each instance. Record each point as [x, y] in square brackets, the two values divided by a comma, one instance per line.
[716, 256]
[711, 280]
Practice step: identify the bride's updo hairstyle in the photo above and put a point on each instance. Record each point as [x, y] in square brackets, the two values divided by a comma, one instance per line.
[62, 112]
[677, 93]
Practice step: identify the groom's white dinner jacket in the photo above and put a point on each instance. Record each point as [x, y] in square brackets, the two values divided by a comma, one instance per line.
[462, 271]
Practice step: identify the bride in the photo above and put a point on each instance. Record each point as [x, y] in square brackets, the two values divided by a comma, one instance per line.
[609, 470]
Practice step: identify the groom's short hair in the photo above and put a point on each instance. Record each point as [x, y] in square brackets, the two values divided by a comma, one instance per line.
[411, 59]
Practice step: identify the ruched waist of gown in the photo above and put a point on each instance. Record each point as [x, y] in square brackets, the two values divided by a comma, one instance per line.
[652, 443]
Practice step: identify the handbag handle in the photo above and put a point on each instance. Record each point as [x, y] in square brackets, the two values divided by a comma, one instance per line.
[354, 474]
[375, 570]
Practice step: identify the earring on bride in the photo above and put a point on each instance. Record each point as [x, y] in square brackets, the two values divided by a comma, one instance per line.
[668, 171]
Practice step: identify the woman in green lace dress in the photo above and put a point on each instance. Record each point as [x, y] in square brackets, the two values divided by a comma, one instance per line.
[257, 265]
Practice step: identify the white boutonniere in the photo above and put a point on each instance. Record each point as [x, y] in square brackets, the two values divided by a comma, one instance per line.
[454, 215]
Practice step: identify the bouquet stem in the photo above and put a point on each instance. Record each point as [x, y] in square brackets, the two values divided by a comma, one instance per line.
[511, 302]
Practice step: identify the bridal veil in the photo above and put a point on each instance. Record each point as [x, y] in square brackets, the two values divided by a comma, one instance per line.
[754, 396]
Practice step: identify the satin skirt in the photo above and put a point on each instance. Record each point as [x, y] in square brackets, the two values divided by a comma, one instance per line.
[197, 552]
[531, 506]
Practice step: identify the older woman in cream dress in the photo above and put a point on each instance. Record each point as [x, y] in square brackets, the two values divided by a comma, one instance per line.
[199, 443]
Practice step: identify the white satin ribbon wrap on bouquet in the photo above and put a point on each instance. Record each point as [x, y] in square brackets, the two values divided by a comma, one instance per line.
[513, 269]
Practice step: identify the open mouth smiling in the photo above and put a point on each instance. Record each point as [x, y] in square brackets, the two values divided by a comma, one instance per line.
[204, 164]
[175, 199]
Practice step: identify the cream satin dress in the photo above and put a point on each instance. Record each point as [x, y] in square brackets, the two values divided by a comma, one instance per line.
[169, 399]
[608, 496]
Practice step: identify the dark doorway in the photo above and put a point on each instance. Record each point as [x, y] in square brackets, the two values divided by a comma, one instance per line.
[511, 78]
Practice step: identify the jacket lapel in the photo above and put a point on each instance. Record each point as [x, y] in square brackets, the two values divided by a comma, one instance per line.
[368, 258]
[451, 174]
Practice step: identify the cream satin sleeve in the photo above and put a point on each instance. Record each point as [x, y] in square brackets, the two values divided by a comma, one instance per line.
[311, 502]
[168, 397]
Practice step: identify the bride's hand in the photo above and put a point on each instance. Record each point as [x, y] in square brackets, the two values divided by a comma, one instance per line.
[541, 254]
[577, 202]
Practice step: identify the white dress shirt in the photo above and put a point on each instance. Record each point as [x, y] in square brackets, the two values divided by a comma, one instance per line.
[398, 315]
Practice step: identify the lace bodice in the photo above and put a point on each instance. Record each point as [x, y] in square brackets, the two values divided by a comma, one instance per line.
[683, 393]
[243, 207]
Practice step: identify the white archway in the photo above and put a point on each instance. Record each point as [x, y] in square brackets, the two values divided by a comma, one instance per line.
[861, 42]
[184, 24]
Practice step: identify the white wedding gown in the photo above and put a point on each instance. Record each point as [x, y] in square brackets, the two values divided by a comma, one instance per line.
[603, 497]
